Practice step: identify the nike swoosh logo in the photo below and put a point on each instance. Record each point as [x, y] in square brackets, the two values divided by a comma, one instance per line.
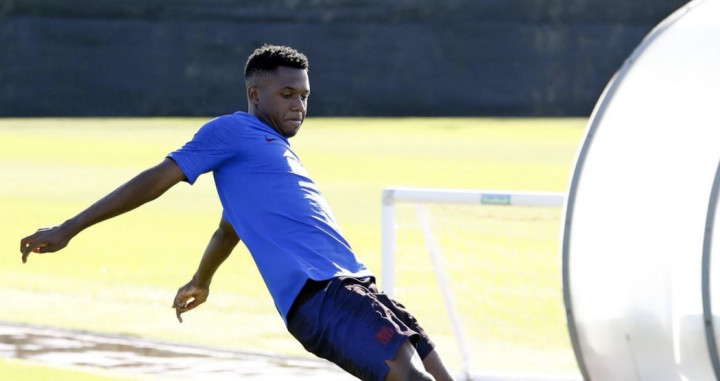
[269, 139]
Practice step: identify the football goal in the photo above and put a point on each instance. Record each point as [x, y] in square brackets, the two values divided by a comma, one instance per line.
[481, 272]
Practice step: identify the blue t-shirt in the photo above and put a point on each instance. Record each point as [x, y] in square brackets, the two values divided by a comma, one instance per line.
[270, 200]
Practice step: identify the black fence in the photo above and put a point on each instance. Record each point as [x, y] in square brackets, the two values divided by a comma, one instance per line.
[371, 58]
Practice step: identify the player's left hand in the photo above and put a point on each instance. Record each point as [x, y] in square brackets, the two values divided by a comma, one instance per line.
[45, 240]
[188, 297]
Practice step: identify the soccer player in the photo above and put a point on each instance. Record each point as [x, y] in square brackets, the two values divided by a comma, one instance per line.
[326, 297]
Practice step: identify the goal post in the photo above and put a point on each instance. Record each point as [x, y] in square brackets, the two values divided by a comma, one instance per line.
[393, 195]
[426, 229]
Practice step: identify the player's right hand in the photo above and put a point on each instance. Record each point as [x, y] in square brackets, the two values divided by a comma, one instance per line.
[188, 297]
[45, 240]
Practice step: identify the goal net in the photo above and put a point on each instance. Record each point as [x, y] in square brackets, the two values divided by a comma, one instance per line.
[481, 272]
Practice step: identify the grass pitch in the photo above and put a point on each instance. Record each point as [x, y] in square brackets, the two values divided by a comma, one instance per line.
[120, 276]
[17, 370]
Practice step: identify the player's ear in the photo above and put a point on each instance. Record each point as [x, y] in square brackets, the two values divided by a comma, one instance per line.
[253, 94]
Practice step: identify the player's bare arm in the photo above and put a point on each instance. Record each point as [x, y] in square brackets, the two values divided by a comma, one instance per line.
[146, 186]
[196, 291]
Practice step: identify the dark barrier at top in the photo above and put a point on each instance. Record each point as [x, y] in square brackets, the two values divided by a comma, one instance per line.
[379, 57]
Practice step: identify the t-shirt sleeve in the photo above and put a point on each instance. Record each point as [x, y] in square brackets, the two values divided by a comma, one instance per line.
[215, 143]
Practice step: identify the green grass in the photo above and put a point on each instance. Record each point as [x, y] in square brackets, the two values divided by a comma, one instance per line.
[18, 370]
[502, 265]
[121, 276]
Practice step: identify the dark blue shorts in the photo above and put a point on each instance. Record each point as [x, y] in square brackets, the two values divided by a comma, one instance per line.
[349, 322]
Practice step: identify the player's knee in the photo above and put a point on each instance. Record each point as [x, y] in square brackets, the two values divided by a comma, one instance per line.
[406, 366]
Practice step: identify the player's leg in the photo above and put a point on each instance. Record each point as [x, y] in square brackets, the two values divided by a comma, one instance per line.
[434, 365]
[406, 365]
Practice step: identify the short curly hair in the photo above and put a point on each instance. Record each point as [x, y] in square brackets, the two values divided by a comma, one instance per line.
[268, 58]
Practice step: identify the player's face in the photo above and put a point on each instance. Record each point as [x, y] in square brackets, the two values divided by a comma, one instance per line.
[281, 99]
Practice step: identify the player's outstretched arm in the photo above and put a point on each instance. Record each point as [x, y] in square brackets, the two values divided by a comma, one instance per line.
[197, 290]
[146, 186]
